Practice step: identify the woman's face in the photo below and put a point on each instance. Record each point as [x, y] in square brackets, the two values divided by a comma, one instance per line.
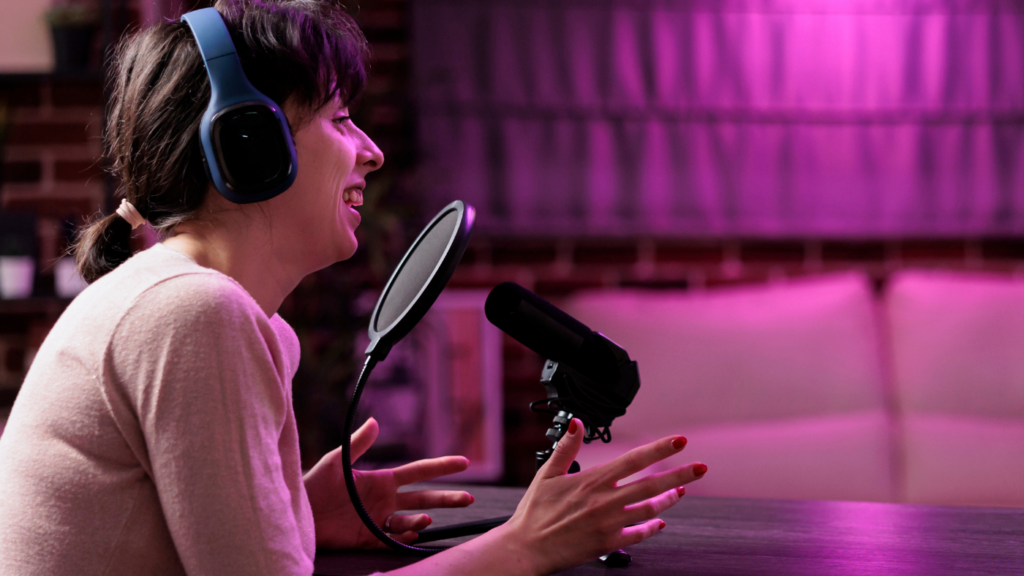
[334, 157]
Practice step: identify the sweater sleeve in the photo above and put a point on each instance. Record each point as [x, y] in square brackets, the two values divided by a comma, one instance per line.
[199, 367]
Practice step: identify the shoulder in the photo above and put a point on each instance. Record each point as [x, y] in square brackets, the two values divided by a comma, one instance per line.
[196, 296]
[165, 295]
[160, 284]
[194, 313]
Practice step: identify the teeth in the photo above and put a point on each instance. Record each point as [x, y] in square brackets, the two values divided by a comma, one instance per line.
[353, 197]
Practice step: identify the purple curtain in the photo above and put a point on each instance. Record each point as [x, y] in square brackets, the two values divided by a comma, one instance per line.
[725, 117]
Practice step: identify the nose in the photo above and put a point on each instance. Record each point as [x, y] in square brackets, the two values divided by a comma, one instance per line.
[369, 155]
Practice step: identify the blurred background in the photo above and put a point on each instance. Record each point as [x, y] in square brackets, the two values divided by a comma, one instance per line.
[804, 218]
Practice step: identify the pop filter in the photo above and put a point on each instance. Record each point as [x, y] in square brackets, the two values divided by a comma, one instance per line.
[415, 284]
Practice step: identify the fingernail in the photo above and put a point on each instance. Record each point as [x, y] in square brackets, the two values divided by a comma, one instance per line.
[572, 427]
[662, 525]
[471, 499]
[680, 490]
[678, 443]
[429, 519]
[699, 469]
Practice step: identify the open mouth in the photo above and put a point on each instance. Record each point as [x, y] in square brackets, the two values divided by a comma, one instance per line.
[352, 197]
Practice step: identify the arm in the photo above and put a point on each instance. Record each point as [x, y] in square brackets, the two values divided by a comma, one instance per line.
[199, 365]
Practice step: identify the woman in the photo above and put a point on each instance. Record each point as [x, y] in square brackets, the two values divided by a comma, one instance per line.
[154, 433]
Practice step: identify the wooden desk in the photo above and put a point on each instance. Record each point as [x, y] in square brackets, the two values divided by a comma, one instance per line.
[749, 536]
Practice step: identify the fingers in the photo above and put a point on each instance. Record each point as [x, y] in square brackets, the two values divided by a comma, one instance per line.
[364, 437]
[565, 452]
[405, 537]
[636, 534]
[652, 507]
[658, 483]
[401, 524]
[428, 469]
[427, 499]
[639, 458]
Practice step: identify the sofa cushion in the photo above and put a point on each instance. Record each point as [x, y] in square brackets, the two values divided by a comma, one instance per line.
[835, 457]
[802, 349]
[958, 373]
[957, 342]
[779, 388]
[965, 461]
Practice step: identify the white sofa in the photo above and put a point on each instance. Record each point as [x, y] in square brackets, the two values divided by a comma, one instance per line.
[818, 389]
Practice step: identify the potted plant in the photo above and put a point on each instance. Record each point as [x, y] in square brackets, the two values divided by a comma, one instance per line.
[73, 26]
[3, 137]
[17, 242]
[17, 249]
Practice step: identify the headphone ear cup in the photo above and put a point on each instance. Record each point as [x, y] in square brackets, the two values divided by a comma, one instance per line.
[248, 149]
[252, 148]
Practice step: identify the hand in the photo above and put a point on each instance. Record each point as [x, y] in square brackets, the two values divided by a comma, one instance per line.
[335, 518]
[565, 520]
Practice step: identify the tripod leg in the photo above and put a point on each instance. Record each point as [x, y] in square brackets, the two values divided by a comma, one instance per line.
[617, 559]
[456, 530]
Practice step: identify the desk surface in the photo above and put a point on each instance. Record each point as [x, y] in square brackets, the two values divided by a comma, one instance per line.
[750, 536]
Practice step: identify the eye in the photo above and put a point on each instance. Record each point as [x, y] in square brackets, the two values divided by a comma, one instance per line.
[341, 119]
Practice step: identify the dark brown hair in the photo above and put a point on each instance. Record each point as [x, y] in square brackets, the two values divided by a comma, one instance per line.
[306, 50]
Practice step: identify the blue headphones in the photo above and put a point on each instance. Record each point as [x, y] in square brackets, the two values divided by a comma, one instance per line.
[247, 146]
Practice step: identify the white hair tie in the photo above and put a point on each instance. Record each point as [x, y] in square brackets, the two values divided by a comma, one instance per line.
[129, 213]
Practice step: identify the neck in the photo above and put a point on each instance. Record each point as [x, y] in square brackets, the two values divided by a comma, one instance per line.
[241, 247]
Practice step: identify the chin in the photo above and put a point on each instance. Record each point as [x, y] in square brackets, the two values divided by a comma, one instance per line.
[347, 251]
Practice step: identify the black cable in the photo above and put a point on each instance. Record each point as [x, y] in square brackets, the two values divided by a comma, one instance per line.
[350, 481]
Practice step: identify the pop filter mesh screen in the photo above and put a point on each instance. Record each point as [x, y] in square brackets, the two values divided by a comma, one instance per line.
[417, 269]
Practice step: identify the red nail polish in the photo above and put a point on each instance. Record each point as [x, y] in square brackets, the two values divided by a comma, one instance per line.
[471, 498]
[572, 426]
[681, 490]
[699, 469]
[678, 443]
[662, 525]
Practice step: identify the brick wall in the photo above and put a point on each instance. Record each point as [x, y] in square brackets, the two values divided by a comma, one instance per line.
[51, 156]
[559, 266]
[50, 167]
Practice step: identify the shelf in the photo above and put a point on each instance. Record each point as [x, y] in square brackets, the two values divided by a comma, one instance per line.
[7, 396]
[34, 306]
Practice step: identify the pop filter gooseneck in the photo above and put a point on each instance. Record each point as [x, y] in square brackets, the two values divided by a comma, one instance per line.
[412, 289]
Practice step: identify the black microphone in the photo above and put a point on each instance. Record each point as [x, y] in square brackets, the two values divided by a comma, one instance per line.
[550, 332]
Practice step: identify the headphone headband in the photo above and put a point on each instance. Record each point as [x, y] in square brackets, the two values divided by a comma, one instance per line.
[211, 33]
[247, 144]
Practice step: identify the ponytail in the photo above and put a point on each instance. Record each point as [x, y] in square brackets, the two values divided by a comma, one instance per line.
[102, 244]
[159, 91]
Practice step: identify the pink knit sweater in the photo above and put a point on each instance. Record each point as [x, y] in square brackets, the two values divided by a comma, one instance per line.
[154, 434]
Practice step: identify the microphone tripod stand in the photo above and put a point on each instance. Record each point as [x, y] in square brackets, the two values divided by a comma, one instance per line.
[559, 426]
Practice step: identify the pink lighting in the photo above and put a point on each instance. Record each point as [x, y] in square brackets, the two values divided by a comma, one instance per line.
[760, 118]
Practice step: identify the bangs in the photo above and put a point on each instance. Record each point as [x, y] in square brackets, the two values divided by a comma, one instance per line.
[307, 49]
